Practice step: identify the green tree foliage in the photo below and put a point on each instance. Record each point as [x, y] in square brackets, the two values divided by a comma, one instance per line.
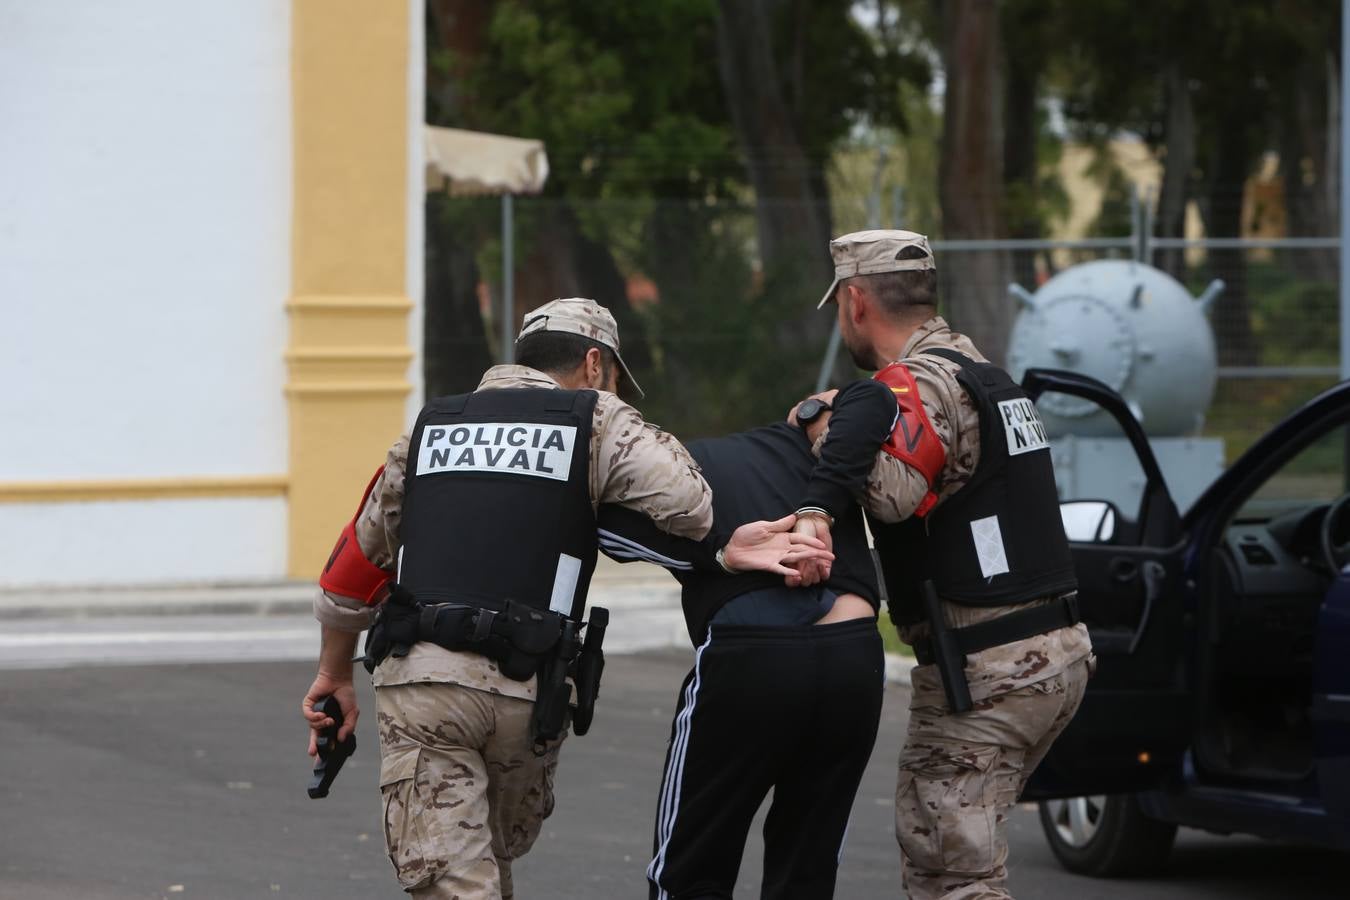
[1239, 68]
[650, 178]
[690, 143]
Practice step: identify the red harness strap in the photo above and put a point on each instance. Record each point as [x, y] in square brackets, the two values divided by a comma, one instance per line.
[348, 572]
[913, 440]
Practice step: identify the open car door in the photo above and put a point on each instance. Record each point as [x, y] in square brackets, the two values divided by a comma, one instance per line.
[1133, 724]
[1331, 698]
[1276, 526]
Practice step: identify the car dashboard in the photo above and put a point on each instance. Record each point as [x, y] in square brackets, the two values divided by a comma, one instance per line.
[1277, 578]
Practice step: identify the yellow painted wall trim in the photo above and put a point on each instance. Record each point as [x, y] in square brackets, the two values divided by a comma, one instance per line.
[351, 122]
[334, 303]
[352, 388]
[194, 487]
[341, 354]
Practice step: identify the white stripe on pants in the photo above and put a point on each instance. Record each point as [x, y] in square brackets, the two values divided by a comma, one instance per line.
[670, 784]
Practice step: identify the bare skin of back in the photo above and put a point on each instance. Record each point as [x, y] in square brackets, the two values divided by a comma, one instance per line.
[847, 607]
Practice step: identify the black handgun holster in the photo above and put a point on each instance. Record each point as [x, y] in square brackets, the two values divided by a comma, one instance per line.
[584, 661]
[590, 666]
[552, 691]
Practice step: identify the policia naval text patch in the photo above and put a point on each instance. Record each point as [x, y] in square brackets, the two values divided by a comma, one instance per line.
[512, 448]
[1022, 426]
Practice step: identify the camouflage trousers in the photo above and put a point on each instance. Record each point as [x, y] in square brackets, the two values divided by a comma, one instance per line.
[959, 777]
[463, 792]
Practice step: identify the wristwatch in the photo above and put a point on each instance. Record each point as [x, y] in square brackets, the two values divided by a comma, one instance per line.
[810, 409]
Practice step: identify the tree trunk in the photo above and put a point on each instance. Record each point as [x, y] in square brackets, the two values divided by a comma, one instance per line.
[692, 365]
[455, 345]
[1019, 161]
[1232, 312]
[455, 341]
[1304, 162]
[562, 262]
[458, 27]
[970, 177]
[791, 203]
[599, 278]
[1178, 162]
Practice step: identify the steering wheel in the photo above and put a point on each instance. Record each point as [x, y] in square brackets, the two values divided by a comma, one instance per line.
[1337, 555]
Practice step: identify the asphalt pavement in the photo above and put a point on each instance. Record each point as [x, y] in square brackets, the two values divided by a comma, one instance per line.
[178, 779]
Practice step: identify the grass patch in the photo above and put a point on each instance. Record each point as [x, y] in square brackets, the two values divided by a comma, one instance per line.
[889, 639]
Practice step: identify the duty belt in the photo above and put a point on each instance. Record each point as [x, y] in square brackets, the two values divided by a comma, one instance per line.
[522, 640]
[1015, 626]
[515, 635]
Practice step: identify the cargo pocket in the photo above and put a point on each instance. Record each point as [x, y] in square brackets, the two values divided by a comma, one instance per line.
[944, 809]
[411, 849]
[527, 800]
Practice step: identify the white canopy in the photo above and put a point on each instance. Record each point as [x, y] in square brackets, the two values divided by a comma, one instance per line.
[471, 162]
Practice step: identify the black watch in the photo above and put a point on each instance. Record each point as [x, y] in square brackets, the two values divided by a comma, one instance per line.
[810, 409]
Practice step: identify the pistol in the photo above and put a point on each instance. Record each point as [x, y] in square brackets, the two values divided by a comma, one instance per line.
[590, 665]
[331, 753]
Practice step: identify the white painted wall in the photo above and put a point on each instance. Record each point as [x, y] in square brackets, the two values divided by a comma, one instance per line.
[145, 193]
[127, 543]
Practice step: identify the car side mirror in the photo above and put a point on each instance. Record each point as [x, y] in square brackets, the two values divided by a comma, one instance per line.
[1088, 521]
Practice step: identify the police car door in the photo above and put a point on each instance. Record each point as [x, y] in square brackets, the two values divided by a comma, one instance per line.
[1133, 723]
[1276, 529]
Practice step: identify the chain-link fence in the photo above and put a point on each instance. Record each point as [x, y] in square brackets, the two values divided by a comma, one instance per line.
[724, 339]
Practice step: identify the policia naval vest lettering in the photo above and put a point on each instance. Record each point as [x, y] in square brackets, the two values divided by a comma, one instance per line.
[497, 500]
[999, 540]
[499, 544]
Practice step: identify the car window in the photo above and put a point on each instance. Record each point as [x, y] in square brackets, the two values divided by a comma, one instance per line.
[1094, 460]
[1316, 474]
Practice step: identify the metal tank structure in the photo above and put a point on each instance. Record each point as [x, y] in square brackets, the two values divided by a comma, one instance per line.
[1141, 332]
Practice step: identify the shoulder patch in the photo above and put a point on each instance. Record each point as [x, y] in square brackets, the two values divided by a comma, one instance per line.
[1022, 426]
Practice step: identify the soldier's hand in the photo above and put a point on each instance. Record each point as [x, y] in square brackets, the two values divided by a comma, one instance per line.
[345, 692]
[812, 571]
[773, 547]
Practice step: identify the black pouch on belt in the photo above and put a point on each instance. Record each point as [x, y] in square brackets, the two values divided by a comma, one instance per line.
[526, 634]
[394, 630]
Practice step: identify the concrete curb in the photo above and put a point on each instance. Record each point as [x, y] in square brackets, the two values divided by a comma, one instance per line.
[645, 598]
[266, 598]
[619, 586]
[898, 668]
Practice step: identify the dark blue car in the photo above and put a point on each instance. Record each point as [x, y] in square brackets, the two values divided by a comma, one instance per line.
[1222, 695]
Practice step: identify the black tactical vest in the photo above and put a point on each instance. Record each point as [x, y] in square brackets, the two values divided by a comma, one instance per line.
[999, 540]
[497, 500]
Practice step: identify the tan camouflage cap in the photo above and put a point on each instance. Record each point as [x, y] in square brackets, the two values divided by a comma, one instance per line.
[577, 315]
[870, 252]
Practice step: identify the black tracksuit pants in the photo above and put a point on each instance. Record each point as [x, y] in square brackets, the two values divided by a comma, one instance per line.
[793, 709]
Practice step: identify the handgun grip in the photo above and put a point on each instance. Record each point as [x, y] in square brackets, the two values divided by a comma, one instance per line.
[595, 628]
[590, 666]
[331, 754]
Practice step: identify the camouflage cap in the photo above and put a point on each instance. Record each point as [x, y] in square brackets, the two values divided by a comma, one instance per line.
[878, 250]
[577, 315]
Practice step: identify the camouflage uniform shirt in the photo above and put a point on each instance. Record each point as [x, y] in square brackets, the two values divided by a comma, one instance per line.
[894, 491]
[632, 463]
